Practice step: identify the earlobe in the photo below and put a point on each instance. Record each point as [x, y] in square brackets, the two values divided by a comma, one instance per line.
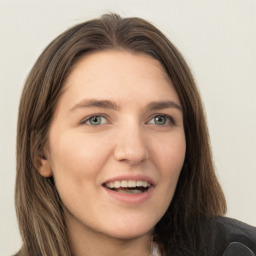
[44, 167]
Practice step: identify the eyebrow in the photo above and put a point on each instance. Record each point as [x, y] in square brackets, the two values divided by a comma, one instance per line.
[158, 105]
[107, 104]
[87, 103]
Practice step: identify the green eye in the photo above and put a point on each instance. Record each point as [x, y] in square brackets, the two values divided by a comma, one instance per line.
[160, 120]
[96, 120]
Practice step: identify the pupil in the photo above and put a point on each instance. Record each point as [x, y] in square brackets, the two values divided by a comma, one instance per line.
[95, 120]
[160, 120]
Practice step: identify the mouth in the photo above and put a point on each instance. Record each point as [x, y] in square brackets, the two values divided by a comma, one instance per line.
[128, 186]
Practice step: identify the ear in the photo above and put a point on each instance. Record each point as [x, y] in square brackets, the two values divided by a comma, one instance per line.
[43, 166]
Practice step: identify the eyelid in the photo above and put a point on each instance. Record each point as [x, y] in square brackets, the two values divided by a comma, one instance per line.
[86, 119]
[168, 117]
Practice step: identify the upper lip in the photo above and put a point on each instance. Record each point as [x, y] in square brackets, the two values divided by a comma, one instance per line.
[131, 177]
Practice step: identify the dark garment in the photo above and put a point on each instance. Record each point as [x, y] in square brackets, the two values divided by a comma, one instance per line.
[214, 237]
[224, 231]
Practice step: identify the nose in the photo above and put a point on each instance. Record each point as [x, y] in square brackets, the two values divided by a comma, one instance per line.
[131, 145]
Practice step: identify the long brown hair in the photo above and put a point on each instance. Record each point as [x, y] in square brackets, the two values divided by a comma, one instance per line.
[198, 195]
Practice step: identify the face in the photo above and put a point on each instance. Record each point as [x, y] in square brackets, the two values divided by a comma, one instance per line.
[116, 144]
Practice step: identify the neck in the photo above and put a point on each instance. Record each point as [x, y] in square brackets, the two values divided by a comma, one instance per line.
[86, 242]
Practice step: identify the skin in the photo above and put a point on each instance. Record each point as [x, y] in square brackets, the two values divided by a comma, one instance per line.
[128, 141]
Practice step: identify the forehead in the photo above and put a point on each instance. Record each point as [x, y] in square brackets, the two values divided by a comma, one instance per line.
[119, 74]
[102, 64]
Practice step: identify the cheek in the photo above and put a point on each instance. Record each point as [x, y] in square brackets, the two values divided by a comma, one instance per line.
[170, 155]
[76, 163]
[75, 157]
[170, 152]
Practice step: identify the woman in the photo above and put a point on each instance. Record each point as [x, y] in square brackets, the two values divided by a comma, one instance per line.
[113, 154]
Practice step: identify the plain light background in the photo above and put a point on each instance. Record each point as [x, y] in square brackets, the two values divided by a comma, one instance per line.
[218, 40]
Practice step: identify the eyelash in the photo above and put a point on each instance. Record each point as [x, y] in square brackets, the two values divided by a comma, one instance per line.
[167, 117]
[84, 122]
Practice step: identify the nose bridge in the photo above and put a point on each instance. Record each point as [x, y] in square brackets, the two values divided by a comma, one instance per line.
[131, 144]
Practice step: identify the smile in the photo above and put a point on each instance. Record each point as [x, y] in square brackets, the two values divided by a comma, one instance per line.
[128, 186]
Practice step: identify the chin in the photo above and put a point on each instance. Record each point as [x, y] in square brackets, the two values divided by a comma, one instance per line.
[130, 231]
[130, 235]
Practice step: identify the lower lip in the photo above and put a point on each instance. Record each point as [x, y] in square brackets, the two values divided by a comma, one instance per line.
[130, 198]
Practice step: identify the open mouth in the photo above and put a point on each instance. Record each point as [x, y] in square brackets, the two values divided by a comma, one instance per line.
[128, 186]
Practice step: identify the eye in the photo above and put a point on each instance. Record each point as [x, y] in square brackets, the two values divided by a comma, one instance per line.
[161, 120]
[95, 120]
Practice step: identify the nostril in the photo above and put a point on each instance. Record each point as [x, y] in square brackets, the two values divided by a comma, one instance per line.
[131, 145]
[131, 156]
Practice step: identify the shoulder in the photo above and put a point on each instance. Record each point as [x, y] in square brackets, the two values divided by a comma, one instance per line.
[224, 231]
[236, 231]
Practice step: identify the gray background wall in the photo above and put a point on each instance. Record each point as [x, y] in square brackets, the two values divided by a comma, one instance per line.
[217, 38]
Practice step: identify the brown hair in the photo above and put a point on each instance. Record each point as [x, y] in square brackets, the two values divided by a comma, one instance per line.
[198, 195]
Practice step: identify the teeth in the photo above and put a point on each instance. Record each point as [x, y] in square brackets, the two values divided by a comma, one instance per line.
[144, 184]
[127, 191]
[139, 183]
[124, 183]
[127, 184]
[111, 184]
[131, 183]
[117, 184]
